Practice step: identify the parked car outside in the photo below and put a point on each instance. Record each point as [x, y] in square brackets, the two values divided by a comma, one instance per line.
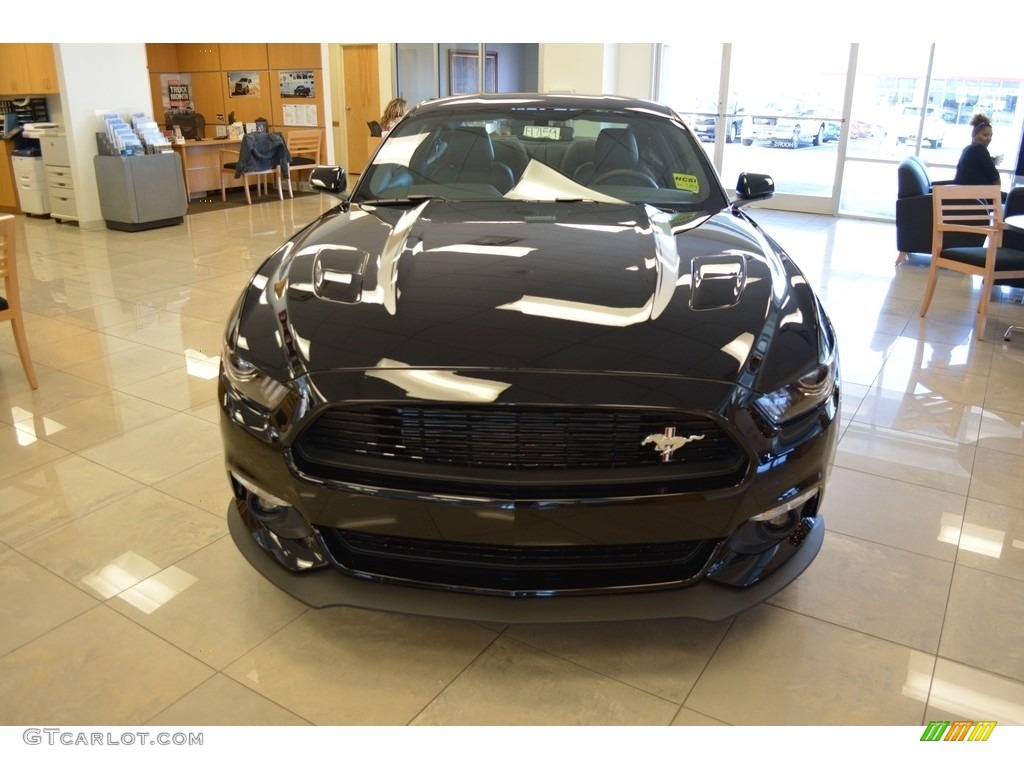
[790, 128]
[705, 123]
[910, 122]
[534, 366]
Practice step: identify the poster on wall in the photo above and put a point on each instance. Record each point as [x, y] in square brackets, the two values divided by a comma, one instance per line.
[176, 93]
[299, 114]
[296, 84]
[243, 84]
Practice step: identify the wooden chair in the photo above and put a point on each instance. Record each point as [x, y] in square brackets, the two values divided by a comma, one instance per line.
[976, 210]
[261, 156]
[10, 302]
[304, 147]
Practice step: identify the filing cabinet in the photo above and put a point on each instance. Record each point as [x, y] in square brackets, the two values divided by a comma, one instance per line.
[30, 179]
[59, 183]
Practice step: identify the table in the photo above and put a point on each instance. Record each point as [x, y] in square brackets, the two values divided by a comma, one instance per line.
[200, 162]
[1015, 222]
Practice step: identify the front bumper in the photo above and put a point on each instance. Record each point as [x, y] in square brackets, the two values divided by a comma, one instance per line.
[739, 567]
[706, 600]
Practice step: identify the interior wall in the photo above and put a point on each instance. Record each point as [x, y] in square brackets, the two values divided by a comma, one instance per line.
[572, 67]
[97, 77]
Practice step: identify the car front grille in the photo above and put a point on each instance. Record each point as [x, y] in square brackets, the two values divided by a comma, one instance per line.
[517, 571]
[583, 451]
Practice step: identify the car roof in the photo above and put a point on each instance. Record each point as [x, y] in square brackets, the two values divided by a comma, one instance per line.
[545, 100]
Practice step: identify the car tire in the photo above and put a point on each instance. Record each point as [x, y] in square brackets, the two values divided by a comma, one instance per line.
[819, 137]
[747, 142]
[733, 134]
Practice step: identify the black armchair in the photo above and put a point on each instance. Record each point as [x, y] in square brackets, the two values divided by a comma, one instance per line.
[913, 208]
[914, 214]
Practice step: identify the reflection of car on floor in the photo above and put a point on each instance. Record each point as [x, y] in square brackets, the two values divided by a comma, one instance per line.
[302, 90]
[242, 86]
[535, 366]
[788, 129]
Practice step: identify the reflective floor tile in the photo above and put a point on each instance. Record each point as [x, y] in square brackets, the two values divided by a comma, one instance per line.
[512, 683]
[776, 667]
[346, 666]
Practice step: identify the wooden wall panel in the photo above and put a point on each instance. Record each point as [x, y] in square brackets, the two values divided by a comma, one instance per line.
[294, 55]
[243, 56]
[162, 57]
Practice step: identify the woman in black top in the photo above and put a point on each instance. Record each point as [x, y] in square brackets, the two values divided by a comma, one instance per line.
[976, 165]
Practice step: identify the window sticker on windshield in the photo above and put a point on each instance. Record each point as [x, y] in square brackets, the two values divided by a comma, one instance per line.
[686, 181]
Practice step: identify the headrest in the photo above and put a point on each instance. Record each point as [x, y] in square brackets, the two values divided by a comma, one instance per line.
[616, 148]
[471, 142]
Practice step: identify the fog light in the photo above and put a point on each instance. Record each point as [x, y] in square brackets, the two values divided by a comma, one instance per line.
[781, 516]
[262, 501]
[780, 521]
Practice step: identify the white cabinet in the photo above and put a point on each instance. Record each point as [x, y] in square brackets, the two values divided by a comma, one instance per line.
[59, 184]
[30, 179]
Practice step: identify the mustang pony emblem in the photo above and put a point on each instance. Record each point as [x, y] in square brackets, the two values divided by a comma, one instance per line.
[668, 442]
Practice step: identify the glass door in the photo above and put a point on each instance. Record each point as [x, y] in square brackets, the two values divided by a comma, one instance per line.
[793, 100]
[779, 113]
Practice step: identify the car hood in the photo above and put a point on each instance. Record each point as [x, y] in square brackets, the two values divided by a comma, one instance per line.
[574, 287]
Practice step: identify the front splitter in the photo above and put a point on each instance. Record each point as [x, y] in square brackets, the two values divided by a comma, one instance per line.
[326, 587]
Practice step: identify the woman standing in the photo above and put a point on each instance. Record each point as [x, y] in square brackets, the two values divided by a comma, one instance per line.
[976, 165]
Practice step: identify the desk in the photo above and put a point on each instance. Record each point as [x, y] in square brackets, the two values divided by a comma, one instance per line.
[200, 162]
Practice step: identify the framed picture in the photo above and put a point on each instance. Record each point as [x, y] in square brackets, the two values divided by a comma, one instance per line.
[463, 72]
[296, 84]
[243, 84]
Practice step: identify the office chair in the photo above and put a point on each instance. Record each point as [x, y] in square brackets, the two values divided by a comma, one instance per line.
[375, 129]
[192, 125]
[10, 303]
[261, 156]
[304, 146]
[975, 210]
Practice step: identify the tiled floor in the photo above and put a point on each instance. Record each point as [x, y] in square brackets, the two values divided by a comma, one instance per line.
[123, 600]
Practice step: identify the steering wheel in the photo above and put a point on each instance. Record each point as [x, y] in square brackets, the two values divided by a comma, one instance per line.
[625, 177]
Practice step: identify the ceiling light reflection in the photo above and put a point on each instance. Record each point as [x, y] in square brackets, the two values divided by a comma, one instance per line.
[157, 591]
[437, 385]
[579, 312]
[514, 251]
[982, 540]
[206, 367]
[124, 572]
[739, 348]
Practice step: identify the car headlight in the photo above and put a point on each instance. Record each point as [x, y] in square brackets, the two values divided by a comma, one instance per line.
[803, 395]
[249, 381]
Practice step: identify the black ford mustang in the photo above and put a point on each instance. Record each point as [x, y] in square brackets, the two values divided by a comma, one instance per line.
[535, 367]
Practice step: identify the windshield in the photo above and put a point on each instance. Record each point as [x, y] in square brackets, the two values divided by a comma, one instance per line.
[531, 153]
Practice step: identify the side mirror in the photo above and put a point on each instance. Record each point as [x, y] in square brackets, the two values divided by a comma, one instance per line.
[751, 187]
[330, 179]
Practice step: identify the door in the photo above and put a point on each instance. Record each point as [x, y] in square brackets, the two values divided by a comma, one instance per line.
[362, 101]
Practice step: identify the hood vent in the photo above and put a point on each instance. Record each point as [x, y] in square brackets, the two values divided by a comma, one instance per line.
[717, 281]
[338, 275]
